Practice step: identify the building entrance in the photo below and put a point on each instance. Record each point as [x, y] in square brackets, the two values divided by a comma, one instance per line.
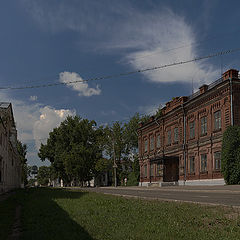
[171, 170]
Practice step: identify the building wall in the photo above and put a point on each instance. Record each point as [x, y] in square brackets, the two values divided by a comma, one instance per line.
[212, 102]
[10, 165]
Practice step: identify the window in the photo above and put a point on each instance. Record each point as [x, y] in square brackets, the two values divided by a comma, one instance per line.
[145, 145]
[151, 170]
[169, 137]
[217, 120]
[203, 162]
[176, 134]
[151, 143]
[158, 141]
[192, 165]
[203, 125]
[159, 170]
[145, 170]
[217, 160]
[192, 130]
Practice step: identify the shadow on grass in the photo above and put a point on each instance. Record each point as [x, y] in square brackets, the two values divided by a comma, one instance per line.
[44, 219]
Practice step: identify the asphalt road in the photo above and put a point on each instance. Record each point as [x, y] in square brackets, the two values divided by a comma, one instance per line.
[219, 195]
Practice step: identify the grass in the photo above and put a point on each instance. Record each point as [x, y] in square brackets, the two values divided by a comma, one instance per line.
[7, 216]
[67, 214]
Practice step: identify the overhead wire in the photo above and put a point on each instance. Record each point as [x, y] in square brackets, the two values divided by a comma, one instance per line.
[124, 73]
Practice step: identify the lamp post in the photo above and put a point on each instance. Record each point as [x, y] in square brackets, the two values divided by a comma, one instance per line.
[114, 164]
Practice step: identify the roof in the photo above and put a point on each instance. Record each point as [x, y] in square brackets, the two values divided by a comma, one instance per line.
[4, 104]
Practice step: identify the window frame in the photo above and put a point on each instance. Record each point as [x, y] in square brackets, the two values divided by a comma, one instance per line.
[217, 160]
[151, 169]
[217, 120]
[151, 139]
[176, 134]
[192, 130]
[192, 164]
[203, 163]
[145, 170]
[169, 137]
[203, 125]
[145, 145]
[158, 141]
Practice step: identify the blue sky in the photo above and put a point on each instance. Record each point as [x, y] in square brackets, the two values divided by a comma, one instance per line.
[66, 40]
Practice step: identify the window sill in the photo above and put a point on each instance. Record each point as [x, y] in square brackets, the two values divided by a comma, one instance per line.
[191, 174]
[204, 172]
[203, 134]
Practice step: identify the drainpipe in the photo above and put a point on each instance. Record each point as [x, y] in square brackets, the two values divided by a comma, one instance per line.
[184, 144]
[231, 97]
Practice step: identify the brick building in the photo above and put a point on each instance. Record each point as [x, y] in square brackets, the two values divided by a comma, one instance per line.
[10, 165]
[183, 145]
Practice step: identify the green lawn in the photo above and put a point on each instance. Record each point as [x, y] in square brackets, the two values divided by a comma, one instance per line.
[65, 214]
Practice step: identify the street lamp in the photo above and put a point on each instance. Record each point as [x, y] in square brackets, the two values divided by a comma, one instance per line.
[114, 164]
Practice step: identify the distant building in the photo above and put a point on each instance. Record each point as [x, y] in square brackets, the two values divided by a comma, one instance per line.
[183, 146]
[10, 165]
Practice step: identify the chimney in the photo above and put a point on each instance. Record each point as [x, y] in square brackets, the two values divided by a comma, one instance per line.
[231, 73]
[203, 88]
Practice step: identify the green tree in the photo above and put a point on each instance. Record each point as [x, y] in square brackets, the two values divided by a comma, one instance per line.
[22, 152]
[230, 159]
[43, 175]
[73, 149]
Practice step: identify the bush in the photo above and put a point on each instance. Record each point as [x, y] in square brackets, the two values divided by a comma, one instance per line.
[231, 155]
[132, 180]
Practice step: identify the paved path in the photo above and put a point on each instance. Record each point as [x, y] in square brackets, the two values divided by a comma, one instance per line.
[212, 195]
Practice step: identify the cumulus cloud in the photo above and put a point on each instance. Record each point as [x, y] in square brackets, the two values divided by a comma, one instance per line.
[33, 98]
[49, 118]
[35, 121]
[81, 87]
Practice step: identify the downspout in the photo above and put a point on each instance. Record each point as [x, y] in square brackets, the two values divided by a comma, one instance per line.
[184, 144]
[231, 99]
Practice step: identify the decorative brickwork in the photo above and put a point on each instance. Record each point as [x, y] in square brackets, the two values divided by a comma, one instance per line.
[183, 142]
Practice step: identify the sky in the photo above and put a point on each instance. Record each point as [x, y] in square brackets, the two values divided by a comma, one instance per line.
[57, 41]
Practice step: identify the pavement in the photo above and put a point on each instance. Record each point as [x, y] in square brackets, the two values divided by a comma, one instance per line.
[227, 195]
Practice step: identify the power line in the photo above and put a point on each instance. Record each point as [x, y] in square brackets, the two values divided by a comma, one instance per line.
[126, 73]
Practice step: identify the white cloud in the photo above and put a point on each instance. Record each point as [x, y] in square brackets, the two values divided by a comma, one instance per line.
[49, 118]
[35, 121]
[149, 109]
[33, 98]
[81, 87]
[143, 37]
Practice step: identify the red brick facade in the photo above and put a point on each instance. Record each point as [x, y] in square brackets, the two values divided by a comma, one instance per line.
[184, 144]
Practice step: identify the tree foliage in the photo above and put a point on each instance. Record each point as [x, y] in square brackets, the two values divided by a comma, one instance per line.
[230, 159]
[73, 149]
[43, 176]
[22, 152]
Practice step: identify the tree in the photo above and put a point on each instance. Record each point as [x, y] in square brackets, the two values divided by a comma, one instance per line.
[73, 149]
[230, 159]
[43, 175]
[22, 152]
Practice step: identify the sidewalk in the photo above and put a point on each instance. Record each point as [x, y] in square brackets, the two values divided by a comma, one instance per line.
[217, 188]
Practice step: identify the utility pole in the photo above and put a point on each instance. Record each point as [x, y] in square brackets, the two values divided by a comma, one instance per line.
[114, 164]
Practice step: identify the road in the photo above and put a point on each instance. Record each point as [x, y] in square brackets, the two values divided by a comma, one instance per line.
[218, 195]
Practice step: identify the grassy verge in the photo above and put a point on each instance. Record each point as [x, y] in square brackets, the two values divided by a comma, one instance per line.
[65, 214]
